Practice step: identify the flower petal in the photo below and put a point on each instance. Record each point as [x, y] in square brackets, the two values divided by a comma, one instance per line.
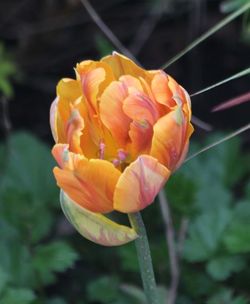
[140, 134]
[112, 114]
[169, 139]
[96, 227]
[90, 184]
[140, 108]
[122, 65]
[139, 184]
[161, 90]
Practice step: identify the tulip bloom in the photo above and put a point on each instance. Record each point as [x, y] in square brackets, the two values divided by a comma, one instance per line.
[120, 131]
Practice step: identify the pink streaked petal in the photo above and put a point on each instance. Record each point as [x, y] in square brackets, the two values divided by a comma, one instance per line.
[140, 108]
[139, 184]
[90, 86]
[112, 114]
[131, 82]
[74, 128]
[140, 134]
[53, 119]
[161, 90]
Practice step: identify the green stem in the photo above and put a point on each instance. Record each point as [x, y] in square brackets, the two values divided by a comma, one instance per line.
[144, 257]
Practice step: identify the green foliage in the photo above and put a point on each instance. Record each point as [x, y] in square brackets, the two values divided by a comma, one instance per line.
[28, 200]
[7, 71]
[212, 191]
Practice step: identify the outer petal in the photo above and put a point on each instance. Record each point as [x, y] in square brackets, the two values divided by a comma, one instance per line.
[94, 226]
[139, 184]
[161, 90]
[121, 65]
[169, 138]
[53, 119]
[91, 184]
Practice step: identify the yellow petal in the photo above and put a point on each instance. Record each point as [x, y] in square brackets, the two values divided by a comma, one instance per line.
[139, 184]
[96, 227]
[121, 65]
[90, 184]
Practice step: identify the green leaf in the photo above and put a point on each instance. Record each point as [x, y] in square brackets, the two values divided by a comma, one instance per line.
[4, 279]
[237, 235]
[56, 301]
[51, 258]
[220, 268]
[18, 296]
[104, 289]
[205, 234]
[135, 293]
[225, 295]
[28, 182]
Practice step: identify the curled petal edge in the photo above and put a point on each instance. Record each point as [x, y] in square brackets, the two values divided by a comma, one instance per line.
[94, 226]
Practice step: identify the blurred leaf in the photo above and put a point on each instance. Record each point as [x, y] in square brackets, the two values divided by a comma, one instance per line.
[181, 192]
[56, 301]
[205, 234]
[226, 296]
[18, 296]
[28, 182]
[237, 236]
[128, 258]
[51, 258]
[220, 268]
[104, 47]
[4, 279]
[30, 168]
[7, 70]
[104, 289]
[232, 5]
[134, 292]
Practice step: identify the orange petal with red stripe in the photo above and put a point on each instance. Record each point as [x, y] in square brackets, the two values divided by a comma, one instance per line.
[139, 184]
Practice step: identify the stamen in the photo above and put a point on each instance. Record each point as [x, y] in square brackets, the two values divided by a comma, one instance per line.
[122, 155]
[101, 150]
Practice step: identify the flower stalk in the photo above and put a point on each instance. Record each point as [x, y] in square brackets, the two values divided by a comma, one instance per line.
[144, 257]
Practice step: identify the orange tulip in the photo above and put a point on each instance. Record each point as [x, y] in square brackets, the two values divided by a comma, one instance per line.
[120, 131]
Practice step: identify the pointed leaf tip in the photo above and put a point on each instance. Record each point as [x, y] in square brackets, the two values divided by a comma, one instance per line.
[95, 226]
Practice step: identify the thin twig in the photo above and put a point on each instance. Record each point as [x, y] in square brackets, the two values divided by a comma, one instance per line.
[174, 261]
[207, 34]
[218, 142]
[235, 76]
[106, 30]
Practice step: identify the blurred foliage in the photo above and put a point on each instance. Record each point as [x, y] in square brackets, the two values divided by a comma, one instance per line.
[8, 69]
[212, 191]
[229, 6]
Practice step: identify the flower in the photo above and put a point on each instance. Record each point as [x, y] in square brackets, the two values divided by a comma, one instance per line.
[120, 131]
